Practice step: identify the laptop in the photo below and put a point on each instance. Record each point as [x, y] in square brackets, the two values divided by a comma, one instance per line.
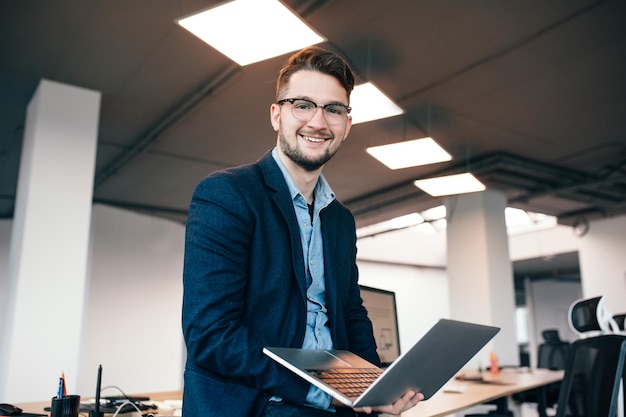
[426, 367]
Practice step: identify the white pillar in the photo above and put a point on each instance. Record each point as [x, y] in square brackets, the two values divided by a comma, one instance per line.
[602, 259]
[479, 269]
[48, 259]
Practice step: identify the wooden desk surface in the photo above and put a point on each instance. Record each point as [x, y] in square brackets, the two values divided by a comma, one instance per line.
[157, 397]
[509, 381]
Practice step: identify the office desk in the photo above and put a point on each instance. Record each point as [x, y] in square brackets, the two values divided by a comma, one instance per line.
[509, 381]
[157, 397]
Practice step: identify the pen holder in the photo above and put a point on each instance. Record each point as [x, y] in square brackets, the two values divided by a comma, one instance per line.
[67, 406]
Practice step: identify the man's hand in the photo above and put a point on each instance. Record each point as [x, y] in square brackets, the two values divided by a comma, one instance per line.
[408, 401]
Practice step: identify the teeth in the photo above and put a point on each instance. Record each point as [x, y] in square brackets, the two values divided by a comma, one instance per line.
[316, 140]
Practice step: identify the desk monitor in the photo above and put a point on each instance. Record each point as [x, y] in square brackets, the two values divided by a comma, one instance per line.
[381, 309]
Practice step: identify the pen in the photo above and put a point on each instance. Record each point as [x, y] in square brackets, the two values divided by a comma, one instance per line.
[64, 385]
[96, 407]
[60, 391]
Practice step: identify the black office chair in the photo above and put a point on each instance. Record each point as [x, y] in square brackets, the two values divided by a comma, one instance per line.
[591, 384]
[552, 354]
[592, 379]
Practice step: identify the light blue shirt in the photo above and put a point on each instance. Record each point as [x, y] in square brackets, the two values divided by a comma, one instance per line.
[317, 334]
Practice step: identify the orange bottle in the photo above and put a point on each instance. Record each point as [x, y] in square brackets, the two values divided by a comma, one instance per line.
[493, 363]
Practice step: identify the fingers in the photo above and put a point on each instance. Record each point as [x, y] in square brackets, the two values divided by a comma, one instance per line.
[408, 401]
[415, 400]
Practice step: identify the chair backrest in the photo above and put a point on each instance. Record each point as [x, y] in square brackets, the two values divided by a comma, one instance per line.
[553, 352]
[589, 317]
[592, 378]
[620, 319]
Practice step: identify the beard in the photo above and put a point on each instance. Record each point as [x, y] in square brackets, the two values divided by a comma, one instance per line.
[299, 158]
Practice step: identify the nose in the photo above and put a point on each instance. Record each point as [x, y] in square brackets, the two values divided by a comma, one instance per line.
[318, 118]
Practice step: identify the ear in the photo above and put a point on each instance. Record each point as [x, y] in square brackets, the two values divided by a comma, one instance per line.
[348, 127]
[275, 116]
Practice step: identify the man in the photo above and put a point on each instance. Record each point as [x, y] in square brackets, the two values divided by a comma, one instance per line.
[270, 260]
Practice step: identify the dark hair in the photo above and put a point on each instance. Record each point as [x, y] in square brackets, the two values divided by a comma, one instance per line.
[314, 58]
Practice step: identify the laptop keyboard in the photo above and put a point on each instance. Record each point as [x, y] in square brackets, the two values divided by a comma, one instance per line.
[350, 381]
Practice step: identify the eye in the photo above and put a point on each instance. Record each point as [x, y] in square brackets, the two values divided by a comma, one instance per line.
[335, 109]
[303, 105]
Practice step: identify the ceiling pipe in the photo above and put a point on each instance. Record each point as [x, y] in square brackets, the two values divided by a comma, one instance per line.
[485, 165]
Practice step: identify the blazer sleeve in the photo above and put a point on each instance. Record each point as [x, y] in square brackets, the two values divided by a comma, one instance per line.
[218, 247]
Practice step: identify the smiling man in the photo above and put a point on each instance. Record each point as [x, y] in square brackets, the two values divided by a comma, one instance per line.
[270, 260]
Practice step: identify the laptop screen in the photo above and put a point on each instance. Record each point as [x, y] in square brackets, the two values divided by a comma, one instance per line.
[381, 309]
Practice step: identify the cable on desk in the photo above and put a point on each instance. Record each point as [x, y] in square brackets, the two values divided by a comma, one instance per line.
[121, 406]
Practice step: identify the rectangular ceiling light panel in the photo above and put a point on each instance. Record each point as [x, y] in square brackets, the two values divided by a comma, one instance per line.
[451, 184]
[369, 103]
[409, 153]
[249, 31]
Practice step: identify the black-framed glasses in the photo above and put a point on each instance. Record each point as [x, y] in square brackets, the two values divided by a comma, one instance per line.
[304, 110]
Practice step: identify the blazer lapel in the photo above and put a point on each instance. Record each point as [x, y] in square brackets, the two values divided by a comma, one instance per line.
[279, 192]
[331, 250]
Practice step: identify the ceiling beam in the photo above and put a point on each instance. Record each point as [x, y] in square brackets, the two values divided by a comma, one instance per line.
[176, 114]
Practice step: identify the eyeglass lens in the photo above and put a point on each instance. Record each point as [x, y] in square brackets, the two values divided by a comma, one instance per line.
[304, 110]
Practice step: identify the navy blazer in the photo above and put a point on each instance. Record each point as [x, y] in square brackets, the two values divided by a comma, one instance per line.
[245, 288]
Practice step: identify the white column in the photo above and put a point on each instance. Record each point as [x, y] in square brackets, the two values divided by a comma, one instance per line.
[602, 259]
[48, 259]
[479, 269]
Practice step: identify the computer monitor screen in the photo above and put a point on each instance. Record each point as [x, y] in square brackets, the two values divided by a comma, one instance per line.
[381, 309]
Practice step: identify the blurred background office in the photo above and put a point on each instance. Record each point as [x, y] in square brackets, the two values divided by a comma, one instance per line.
[112, 112]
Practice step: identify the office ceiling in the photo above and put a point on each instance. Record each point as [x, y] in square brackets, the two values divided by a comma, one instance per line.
[530, 96]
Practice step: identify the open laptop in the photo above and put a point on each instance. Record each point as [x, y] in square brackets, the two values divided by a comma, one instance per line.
[426, 367]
